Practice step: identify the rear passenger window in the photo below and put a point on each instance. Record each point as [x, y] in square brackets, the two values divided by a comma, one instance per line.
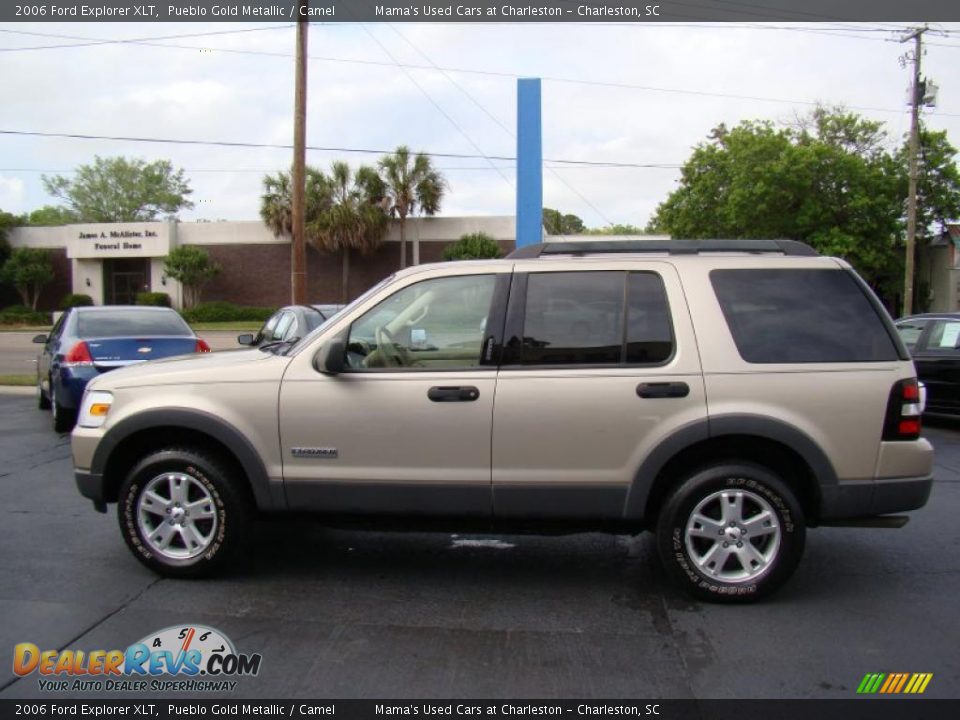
[801, 316]
[649, 330]
[596, 318]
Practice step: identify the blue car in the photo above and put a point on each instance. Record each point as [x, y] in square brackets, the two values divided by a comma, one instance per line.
[87, 341]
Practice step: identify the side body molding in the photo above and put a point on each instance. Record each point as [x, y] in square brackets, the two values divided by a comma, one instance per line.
[716, 428]
[269, 494]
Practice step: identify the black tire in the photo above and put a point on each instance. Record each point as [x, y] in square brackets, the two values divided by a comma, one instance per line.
[228, 502]
[63, 419]
[780, 546]
[43, 402]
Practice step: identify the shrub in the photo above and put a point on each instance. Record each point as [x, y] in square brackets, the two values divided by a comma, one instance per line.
[475, 246]
[221, 311]
[75, 300]
[23, 316]
[156, 299]
[17, 310]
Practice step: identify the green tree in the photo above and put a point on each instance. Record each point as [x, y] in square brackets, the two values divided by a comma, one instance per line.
[354, 219]
[28, 270]
[412, 185]
[616, 229]
[938, 182]
[276, 202]
[119, 189]
[192, 268]
[8, 221]
[474, 246]
[52, 215]
[556, 223]
[829, 182]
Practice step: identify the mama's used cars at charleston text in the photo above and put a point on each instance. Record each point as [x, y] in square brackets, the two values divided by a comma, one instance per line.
[724, 394]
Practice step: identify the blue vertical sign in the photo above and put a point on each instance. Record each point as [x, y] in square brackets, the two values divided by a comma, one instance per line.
[529, 163]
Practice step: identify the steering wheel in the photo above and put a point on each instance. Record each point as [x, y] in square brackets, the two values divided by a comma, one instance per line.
[394, 355]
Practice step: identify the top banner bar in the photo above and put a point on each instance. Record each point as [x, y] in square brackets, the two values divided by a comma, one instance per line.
[465, 11]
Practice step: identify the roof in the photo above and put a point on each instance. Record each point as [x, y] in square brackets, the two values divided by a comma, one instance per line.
[668, 247]
[101, 308]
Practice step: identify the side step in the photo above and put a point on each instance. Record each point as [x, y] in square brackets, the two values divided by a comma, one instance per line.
[879, 521]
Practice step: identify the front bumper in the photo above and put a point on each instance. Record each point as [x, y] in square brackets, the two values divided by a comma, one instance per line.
[867, 498]
[91, 486]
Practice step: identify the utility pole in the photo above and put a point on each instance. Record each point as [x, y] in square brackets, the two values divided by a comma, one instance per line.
[298, 258]
[915, 99]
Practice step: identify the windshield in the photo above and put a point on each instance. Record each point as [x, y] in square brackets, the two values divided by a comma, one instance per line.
[309, 336]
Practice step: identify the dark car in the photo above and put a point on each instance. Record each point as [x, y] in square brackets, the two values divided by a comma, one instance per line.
[934, 341]
[87, 341]
[289, 323]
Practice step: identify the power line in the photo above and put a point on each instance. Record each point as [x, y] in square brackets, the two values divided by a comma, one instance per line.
[436, 105]
[501, 125]
[91, 42]
[514, 76]
[317, 148]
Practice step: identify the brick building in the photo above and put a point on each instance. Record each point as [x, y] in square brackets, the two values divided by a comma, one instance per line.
[112, 262]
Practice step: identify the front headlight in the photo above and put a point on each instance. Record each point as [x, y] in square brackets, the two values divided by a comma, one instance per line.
[94, 409]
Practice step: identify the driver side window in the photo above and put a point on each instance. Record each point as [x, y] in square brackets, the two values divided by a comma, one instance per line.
[436, 324]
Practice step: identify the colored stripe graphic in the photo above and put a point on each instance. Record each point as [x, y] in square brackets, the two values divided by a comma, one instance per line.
[903, 680]
[894, 683]
[891, 681]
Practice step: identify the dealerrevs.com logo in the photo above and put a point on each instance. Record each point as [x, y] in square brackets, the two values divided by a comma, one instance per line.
[197, 657]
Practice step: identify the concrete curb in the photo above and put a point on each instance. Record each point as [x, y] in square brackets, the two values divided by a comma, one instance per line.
[17, 390]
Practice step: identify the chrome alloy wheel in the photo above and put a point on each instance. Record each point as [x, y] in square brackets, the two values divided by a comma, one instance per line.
[733, 535]
[176, 516]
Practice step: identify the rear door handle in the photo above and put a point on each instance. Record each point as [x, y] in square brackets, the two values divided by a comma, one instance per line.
[663, 390]
[466, 393]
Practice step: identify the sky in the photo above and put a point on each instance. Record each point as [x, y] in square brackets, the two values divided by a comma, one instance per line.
[637, 95]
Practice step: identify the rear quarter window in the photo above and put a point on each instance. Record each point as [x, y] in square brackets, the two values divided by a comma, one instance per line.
[801, 316]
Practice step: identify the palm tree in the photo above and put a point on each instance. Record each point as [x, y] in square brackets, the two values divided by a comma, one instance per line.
[412, 184]
[276, 203]
[354, 220]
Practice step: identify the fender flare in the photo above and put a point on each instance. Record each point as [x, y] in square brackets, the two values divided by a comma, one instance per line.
[268, 495]
[716, 427]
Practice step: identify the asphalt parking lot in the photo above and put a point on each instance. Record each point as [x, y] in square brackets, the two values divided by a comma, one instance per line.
[344, 614]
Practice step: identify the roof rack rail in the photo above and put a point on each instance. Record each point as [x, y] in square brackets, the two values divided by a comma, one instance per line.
[670, 247]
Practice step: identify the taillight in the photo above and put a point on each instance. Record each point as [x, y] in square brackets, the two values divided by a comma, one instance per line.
[78, 356]
[903, 411]
[201, 346]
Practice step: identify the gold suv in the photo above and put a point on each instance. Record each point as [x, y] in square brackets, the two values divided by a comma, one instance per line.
[726, 395]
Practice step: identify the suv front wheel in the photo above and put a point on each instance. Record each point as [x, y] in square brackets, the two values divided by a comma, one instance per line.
[180, 513]
[731, 532]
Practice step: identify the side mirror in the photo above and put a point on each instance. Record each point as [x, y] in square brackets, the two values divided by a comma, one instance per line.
[245, 339]
[40, 339]
[331, 360]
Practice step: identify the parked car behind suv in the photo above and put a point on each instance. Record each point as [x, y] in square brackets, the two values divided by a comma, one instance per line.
[726, 395]
[934, 341]
[292, 321]
[88, 341]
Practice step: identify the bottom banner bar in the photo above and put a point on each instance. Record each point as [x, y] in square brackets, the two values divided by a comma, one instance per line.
[853, 709]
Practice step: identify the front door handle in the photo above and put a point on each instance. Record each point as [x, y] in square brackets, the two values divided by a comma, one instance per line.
[663, 390]
[466, 393]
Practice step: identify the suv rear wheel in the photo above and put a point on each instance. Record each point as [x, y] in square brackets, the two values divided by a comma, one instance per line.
[731, 533]
[180, 513]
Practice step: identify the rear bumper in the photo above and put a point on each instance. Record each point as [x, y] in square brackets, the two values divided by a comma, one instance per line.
[858, 499]
[91, 486]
